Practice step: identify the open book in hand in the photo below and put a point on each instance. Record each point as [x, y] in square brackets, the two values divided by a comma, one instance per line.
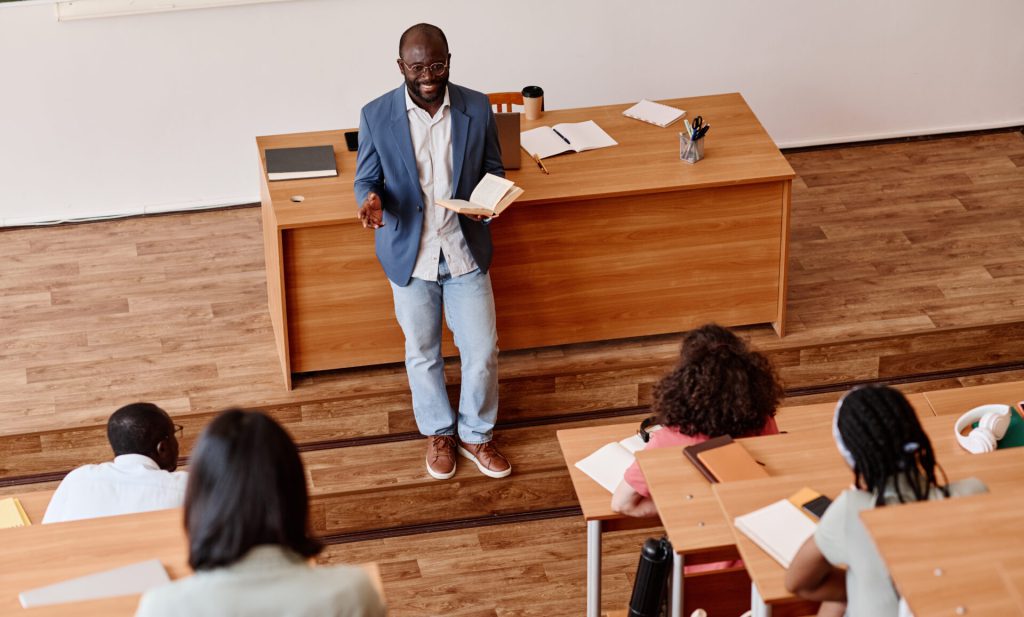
[545, 141]
[490, 197]
[609, 463]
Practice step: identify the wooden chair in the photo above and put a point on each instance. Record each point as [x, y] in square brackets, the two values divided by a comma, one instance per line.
[503, 101]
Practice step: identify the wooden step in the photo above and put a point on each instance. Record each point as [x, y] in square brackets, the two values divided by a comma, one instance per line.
[572, 383]
[386, 486]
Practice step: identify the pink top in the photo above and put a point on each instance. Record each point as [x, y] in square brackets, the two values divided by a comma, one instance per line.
[670, 436]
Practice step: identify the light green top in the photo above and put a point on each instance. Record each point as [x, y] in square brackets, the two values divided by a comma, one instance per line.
[843, 540]
[268, 581]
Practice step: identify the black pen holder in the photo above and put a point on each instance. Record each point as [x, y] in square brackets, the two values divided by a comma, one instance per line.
[690, 150]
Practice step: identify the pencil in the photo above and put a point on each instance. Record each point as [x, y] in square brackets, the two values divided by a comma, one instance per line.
[540, 163]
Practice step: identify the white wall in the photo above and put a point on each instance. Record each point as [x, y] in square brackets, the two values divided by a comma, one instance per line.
[158, 112]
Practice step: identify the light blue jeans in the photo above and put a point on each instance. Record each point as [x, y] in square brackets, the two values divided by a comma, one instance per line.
[468, 305]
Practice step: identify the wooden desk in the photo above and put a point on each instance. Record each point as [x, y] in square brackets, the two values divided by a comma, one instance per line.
[688, 508]
[957, 401]
[737, 498]
[595, 501]
[981, 537]
[811, 459]
[619, 242]
[45, 554]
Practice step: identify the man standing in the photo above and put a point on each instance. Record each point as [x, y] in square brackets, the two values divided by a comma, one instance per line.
[424, 141]
[141, 477]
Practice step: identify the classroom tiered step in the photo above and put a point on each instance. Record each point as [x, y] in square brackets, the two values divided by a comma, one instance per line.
[600, 380]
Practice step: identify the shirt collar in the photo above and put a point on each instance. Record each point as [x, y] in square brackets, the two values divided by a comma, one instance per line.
[136, 460]
[410, 105]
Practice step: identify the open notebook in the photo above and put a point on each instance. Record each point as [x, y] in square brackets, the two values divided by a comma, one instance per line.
[780, 529]
[124, 581]
[608, 464]
[545, 141]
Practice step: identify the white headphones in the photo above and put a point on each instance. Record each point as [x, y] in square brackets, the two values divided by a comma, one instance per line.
[993, 420]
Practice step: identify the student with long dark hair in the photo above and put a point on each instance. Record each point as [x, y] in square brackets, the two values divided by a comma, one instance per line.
[880, 438]
[719, 387]
[246, 510]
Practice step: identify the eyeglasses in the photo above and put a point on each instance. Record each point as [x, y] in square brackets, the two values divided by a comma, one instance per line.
[179, 430]
[437, 68]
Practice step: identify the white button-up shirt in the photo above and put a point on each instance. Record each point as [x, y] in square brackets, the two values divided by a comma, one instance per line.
[432, 146]
[131, 483]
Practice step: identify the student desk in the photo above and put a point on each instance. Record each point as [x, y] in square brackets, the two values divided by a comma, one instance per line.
[714, 542]
[812, 460]
[688, 508]
[41, 555]
[683, 244]
[595, 501]
[948, 554]
[956, 401]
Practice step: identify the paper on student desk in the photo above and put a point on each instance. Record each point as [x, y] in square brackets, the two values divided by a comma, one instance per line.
[654, 113]
[124, 581]
[609, 463]
[12, 514]
[780, 529]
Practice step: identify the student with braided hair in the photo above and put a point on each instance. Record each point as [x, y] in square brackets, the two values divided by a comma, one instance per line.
[719, 387]
[880, 438]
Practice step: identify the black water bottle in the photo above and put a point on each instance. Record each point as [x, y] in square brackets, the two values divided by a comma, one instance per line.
[650, 589]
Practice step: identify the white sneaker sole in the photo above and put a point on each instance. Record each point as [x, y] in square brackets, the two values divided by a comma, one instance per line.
[487, 472]
[439, 476]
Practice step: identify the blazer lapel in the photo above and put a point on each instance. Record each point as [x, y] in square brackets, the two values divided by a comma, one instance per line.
[400, 132]
[460, 132]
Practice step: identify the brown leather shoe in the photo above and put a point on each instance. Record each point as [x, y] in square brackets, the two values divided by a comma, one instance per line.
[486, 456]
[441, 456]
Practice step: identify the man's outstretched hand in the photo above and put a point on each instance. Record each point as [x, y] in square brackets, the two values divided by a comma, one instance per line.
[371, 213]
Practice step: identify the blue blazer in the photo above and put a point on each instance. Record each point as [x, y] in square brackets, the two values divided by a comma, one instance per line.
[386, 165]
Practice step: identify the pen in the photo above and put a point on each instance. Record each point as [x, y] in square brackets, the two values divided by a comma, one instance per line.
[540, 164]
[562, 136]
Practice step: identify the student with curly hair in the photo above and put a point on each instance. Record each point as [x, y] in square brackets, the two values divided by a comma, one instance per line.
[719, 387]
[881, 439]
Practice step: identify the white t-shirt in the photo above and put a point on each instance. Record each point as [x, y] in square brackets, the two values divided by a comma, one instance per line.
[843, 540]
[130, 483]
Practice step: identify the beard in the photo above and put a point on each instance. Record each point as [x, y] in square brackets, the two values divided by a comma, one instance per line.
[428, 90]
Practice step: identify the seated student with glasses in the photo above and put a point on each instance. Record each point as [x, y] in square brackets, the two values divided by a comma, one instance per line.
[881, 439]
[246, 515]
[719, 387]
[141, 477]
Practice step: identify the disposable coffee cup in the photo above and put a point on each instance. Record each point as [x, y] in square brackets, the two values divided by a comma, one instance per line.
[533, 102]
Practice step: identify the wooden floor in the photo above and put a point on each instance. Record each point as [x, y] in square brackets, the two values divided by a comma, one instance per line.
[907, 266]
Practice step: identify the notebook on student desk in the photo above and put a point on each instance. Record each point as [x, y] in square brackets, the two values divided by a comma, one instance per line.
[12, 514]
[508, 138]
[124, 581]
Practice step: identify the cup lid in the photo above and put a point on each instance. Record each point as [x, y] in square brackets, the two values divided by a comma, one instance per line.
[533, 92]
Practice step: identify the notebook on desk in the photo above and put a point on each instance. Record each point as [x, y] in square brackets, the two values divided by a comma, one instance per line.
[124, 581]
[508, 138]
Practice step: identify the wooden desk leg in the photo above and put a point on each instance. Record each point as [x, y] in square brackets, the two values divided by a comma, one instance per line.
[677, 585]
[593, 568]
[758, 608]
